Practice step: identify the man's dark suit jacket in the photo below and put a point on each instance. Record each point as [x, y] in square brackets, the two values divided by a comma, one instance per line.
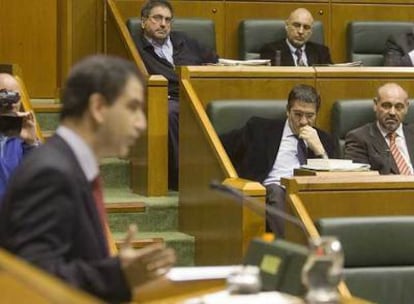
[253, 148]
[367, 145]
[315, 53]
[397, 49]
[49, 218]
[186, 51]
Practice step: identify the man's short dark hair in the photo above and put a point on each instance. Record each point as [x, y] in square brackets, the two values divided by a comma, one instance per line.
[101, 74]
[304, 93]
[150, 4]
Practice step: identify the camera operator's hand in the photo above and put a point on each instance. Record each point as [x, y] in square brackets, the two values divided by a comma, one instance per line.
[28, 132]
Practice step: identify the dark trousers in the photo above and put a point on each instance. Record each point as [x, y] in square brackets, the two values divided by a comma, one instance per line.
[275, 198]
[173, 114]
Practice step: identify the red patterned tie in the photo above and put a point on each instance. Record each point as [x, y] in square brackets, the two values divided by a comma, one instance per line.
[100, 206]
[397, 155]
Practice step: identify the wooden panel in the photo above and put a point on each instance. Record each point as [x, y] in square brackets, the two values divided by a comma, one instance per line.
[247, 82]
[357, 195]
[342, 14]
[355, 82]
[28, 37]
[213, 10]
[237, 11]
[222, 228]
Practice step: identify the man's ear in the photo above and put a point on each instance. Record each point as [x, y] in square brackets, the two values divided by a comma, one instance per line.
[143, 19]
[97, 107]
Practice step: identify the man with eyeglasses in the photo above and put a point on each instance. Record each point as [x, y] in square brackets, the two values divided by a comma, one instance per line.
[265, 150]
[162, 50]
[386, 144]
[296, 49]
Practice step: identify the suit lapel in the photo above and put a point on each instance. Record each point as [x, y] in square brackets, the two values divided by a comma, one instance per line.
[381, 147]
[87, 194]
[409, 140]
[310, 54]
[274, 138]
[287, 58]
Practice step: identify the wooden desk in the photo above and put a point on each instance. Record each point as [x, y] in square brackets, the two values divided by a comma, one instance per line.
[167, 292]
[314, 197]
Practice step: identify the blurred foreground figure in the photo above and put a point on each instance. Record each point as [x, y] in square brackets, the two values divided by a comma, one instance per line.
[53, 213]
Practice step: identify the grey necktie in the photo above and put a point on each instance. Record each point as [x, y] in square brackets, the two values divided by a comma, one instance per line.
[299, 59]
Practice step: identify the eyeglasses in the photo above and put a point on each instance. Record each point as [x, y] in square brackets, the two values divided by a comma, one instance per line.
[160, 18]
[297, 26]
[299, 114]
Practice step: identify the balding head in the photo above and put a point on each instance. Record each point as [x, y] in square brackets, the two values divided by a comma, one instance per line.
[299, 27]
[390, 106]
[10, 83]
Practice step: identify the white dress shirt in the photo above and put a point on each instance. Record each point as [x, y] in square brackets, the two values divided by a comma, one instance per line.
[293, 50]
[286, 158]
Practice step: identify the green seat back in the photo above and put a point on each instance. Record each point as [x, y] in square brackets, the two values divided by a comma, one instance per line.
[202, 30]
[366, 39]
[229, 114]
[254, 33]
[379, 255]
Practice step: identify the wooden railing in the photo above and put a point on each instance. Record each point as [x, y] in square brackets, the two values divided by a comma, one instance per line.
[23, 283]
[149, 160]
[222, 227]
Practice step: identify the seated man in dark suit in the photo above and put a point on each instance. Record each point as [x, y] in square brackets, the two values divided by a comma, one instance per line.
[386, 144]
[265, 150]
[162, 50]
[296, 49]
[53, 213]
[399, 50]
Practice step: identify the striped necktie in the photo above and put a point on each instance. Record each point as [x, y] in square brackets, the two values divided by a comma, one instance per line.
[402, 165]
[302, 151]
[299, 59]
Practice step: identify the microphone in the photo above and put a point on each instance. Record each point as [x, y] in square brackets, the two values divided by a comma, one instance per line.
[256, 206]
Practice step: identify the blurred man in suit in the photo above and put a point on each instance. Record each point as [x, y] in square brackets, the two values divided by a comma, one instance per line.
[53, 213]
[265, 150]
[162, 50]
[17, 129]
[296, 49]
[386, 144]
[399, 50]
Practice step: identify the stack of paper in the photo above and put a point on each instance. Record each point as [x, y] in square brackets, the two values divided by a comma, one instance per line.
[335, 165]
[252, 62]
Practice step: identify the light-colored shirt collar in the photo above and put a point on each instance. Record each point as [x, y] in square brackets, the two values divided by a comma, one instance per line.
[399, 131]
[293, 48]
[82, 151]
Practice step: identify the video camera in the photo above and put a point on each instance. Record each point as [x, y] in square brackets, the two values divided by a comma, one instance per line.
[10, 121]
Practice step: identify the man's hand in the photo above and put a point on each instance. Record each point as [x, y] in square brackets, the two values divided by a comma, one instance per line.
[143, 265]
[310, 136]
[28, 132]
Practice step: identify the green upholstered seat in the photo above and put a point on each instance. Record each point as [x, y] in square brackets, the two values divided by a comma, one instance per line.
[202, 30]
[379, 256]
[229, 114]
[366, 39]
[254, 33]
[349, 114]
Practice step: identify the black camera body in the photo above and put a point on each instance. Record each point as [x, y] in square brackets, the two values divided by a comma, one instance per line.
[10, 122]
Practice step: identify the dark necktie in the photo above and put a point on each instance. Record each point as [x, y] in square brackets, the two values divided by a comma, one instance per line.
[97, 189]
[302, 151]
[299, 59]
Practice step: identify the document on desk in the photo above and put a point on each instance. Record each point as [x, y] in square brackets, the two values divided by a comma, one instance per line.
[201, 273]
[320, 164]
[224, 297]
[251, 62]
